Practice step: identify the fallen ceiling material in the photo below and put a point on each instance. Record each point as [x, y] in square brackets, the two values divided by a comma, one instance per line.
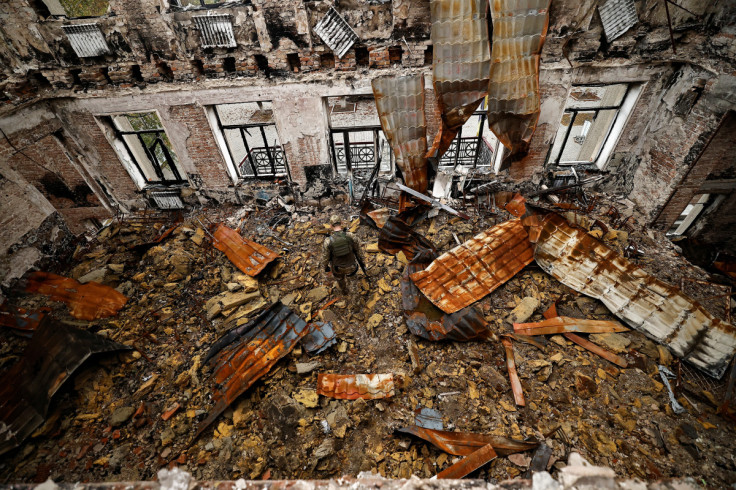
[247, 255]
[513, 92]
[246, 353]
[466, 443]
[354, 386]
[425, 320]
[469, 463]
[396, 236]
[52, 355]
[472, 270]
[20, 319]
[319, 337]
[400, 105]
[563, 324]
[89, 301]
[462, 63]
[660, 311]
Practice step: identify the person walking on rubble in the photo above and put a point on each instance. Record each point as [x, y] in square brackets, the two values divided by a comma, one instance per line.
[342, 253]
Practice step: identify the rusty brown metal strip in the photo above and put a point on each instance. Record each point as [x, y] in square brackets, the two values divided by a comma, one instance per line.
[400, 105]
[466, 443]
[247, 255]
[596, 349]
[475, 268]
[354, 386]
[469, 464]
[660, 311]
[53, 354]
[396, 236]
[513, 91]
[22, 320]
[461, 64]
[90, 301]
[516, 206]
[563, 324]
[513, 375]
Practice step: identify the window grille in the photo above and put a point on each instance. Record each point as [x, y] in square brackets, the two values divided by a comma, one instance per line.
[86, 39]
[216, 31]
[167, 199]
[336, 33]
[617, 16]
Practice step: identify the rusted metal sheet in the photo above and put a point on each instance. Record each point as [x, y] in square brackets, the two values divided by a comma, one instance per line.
[475, 268]
[469, 464]
[354, 386]
[396, 236]
[380, 216]
[660, 311]
[513, 375]
[400, 105]
[516, 206]
[564, 324]
[246, 353]
[597, 349]
[466, 443]
[425, 320]
[513, 91]
[319, 337]
[247, 255]
[89, 301]
[53, 354]
[22, 320]
[462, 63]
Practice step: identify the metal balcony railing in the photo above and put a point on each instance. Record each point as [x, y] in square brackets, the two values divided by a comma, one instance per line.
[259, 157]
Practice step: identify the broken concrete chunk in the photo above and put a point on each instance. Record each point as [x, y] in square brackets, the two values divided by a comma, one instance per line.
[121, 415]
[524, 310]
[307, 367]
[318, 294]
[227, 301]
[612, 341]
[307, 397]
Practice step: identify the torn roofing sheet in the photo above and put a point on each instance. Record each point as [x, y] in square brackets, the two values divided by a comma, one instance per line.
[472, 270]
[564, 324]
[246, 353]
[519, 29]
[89, 301]
[354, 386]
[660, 311]
[462, 63]
[400, 105]
[53, 354]
[21, 319]
[319, 336]
[247, 255]
[425, 320]
[379, 216]
[466, 443]
[469, 463]
[396, 236]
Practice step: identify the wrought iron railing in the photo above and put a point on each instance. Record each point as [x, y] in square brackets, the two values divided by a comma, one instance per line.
[362, 155]
[260, 159]
[467, 157]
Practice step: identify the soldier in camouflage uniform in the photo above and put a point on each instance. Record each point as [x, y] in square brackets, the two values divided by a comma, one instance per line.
[340, 253]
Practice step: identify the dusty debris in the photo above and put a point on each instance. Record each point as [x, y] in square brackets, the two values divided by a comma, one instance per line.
[247, 255]
[354, 386]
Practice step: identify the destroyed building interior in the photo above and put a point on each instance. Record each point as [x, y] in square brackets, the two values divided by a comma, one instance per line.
[544, 192]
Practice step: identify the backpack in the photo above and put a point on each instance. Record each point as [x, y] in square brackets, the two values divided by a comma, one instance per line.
[341, 245]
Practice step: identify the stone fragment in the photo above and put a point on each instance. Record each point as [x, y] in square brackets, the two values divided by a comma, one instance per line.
[372, 248]
[241, 415]
[167, 436]
[325, 449]
[524, 310]
[614, 342]
[580, 474]
[307, 397]
[121, 415]
[307, 367]
[318, 294]
[665, 357]
[94, 276]
[585, 385]
[374, 320]
[198, 236]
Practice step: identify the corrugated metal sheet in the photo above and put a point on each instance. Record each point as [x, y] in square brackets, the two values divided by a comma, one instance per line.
[86, 39]
[563, 324]
[462, 63]
[246, 353]
[513, 92]
[469, 464]
[617, 17]
[167, 199]
[354, 386]
[21, 319]
[336, 33]
[53, 354]
[466, 443]
[319, 336]
[247, 255]
[425, 320]
[660, 311]
[379, 216]
[400, 105]
[216, 31]
[89, 301]
[475, 268]
[396, 236]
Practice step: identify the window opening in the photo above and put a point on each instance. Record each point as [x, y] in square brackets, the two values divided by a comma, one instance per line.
[362, 58]
[394, 55]
[262, 64]
[475, 144]
[295, 64]
[228, 64]
[327, 60]
[428, 55]
[689, 214]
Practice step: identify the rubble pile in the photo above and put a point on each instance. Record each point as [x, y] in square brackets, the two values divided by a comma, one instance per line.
[308, 412]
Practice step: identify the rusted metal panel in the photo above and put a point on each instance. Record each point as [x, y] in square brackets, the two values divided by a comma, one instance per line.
[462, 63]
[319, 337]
[89, 301]
[475, 268]
[246, 353]
[22, 320]
[513, 375]
[513, 91]
[660, 311]
[469, 464]
[564, 324]
[466, 443]
[516, 206]
[354, 386]
[380, 216]
[247, 255]
[425, 320]
[400, 105]
[53, 354]
[396, 236]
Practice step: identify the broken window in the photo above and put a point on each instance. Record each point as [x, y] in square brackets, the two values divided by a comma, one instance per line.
[248, 136]
[354, 125]
[691, 213]
[475, 144]
[141, 139]
[87, 40]
[76, 8]
[216, 31]
[593, 119]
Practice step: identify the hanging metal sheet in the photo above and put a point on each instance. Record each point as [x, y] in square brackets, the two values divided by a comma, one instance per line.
[519, 29]
[89, 301]
[466, 443]
[400, 105]
[660, 311]
[53, 354]
[354, 386]
[396, 236]
[247, 255]
[462, 63]
[475, 268]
